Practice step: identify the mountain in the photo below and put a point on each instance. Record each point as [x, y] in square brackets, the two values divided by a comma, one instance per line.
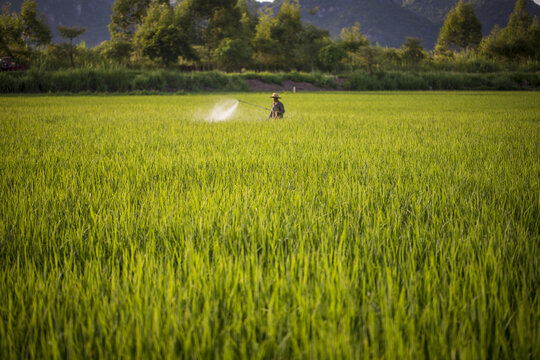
[387, 22]
[95, 15]
[489, 12]
[383, 21]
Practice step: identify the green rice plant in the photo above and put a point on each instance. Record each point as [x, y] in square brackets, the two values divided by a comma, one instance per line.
[362, 225]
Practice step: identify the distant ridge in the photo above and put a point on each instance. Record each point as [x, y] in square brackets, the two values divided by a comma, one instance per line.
[387, 22]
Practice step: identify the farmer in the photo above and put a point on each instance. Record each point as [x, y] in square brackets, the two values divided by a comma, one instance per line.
[277, 110]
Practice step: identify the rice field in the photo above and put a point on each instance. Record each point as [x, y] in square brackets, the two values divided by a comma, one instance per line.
[363, 225]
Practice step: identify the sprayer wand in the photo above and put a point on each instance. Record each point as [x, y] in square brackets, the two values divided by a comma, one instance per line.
[245, 102]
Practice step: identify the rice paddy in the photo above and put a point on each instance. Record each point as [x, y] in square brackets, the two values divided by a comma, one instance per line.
[362, 225]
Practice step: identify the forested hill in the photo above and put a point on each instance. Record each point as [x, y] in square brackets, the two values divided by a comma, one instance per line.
[383, 21]
[387, 22]
[95, 15]
[489, 12]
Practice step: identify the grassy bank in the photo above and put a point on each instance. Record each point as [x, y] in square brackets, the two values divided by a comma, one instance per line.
[123, 81]
[375, 225]
[442, 81]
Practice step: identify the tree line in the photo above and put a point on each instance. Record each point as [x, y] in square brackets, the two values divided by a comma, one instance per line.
[231, 35]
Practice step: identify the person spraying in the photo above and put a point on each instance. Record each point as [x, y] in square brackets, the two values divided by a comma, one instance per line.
[277, 110]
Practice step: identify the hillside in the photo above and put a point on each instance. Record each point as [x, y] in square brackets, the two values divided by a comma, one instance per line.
[489, 12]
[387, 22]
[383, 21]
[94, 15]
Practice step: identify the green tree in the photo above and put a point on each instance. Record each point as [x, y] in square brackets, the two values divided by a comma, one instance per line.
[412, 51]
[287, 27]
[205, 8]
[310, 42]
[117, 50]
[331, 55]
[213, 20]
[520, 39]
[461, 29]
[216, 20]
[265, 46]
[222, 24]
[70, 33]
[11, 40]
[233, 54]
[391, 57]
[353, 40]
[249, 19]
[35, 31]
[127, 15]
[369, 56]
[163, 36]
[277, 38]
[519, 18]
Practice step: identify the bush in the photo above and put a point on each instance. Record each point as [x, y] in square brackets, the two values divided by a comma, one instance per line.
[385, 81]
[124, 80]
[154, 81]
[9, 83]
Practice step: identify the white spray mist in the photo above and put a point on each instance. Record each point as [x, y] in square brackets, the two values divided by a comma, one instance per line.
[222, 111]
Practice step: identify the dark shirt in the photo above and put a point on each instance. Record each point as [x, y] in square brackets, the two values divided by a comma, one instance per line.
[277, 110]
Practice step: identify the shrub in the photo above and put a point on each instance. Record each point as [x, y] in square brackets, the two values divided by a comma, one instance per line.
[154, 80]
[9, 83]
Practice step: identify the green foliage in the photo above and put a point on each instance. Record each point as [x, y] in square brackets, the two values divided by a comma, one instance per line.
[469, 62]
[153, 81]
[399, 80]
[162, 35]
[11, 31]
[412, 51]
[461, 29]
[206, 8]
[370, 56]
[520, 39]
[283, 41]
[35, 31]
[122, 80]
[70, 33]
[310, 42]
[331, 55]
[214, 21]
[127, 15]
[194, 35]
[380, 225]
[116, 50]
[353, 40]
[21, 35]
[223, 24]
[233, 54]
[385, 81]
[267, 52]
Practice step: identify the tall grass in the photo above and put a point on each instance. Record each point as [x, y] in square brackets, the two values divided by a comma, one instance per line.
[117, 80]
[122, 80]
[384, 225]
[441, 81]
